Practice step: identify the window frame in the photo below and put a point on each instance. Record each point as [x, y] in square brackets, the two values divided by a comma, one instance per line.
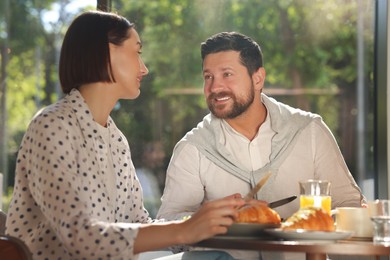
[381, 82]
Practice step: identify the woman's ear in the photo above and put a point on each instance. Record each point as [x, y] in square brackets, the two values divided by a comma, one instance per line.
[258, 78]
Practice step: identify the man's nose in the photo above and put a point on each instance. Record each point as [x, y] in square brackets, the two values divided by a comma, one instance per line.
[216, 84]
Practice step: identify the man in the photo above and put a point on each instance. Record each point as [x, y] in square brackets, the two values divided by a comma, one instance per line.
[248, 135]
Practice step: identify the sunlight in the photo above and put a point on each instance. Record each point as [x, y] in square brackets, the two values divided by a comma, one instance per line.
[51, 17]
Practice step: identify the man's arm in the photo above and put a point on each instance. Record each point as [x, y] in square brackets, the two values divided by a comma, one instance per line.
[184, 191]
[330, 165]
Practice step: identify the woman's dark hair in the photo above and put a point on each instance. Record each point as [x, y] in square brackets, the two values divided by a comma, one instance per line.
[250, 52]
[85, 54]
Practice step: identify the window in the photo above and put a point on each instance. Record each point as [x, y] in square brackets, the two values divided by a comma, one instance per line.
[319, 56]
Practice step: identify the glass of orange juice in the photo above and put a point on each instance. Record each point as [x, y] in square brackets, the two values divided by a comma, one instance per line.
[315, 193]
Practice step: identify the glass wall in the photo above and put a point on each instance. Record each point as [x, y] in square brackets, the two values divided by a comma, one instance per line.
[318, 54]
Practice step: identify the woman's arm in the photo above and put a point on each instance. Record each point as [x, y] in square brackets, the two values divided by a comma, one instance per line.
[211, 219]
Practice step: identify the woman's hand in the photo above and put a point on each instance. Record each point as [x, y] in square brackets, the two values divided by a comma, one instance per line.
[211, 219]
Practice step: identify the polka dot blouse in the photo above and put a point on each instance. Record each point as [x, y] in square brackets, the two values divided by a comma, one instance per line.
[62, 207]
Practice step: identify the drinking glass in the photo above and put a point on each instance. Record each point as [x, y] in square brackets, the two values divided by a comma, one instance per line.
[380, 216]
[315, 193]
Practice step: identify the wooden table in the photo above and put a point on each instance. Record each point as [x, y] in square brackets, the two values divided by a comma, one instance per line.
[313, 250]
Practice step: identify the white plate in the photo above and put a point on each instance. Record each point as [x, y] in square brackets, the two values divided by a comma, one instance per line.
[249, 230]
[301, 234]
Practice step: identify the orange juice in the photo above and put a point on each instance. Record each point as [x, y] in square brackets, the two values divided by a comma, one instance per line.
[316, 201]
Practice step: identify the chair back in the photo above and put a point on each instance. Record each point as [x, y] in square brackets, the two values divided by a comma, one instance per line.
[13, 248]
[3, 218]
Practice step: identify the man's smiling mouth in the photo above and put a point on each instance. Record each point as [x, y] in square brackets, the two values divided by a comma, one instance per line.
[222, 98]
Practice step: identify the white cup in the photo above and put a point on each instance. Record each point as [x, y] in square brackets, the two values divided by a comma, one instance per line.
[353, 219]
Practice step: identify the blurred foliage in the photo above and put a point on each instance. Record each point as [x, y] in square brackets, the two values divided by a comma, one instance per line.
[6, 199]
[307, 44]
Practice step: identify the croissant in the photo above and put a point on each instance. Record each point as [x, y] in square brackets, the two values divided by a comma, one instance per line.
[309, 218]
[257, 212]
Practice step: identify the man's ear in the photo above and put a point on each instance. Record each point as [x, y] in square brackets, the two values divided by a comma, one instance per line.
[258, 78]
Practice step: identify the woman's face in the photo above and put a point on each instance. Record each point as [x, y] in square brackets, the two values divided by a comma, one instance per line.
[127, 66]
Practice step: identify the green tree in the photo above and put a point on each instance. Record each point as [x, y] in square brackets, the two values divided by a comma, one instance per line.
[20, 33]
[29, 75]
[309, 47]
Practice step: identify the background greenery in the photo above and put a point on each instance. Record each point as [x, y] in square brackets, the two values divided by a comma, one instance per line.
[310, 55]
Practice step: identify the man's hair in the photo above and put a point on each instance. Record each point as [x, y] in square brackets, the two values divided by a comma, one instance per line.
[250, 52]
[85, 54]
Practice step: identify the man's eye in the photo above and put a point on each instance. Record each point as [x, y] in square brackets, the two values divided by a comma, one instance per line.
[227, 74]
[207, 77]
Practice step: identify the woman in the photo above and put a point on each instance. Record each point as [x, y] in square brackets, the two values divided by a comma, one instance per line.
[76, 194]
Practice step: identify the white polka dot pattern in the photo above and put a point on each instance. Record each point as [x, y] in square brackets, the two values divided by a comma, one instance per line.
[61, 206]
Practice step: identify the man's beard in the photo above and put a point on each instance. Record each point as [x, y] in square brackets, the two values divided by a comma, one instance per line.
[239, 106]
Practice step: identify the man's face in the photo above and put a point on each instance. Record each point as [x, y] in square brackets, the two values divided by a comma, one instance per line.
[228, 88]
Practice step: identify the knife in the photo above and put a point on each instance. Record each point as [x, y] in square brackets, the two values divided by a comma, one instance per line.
[258, 186]
[281, 202]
